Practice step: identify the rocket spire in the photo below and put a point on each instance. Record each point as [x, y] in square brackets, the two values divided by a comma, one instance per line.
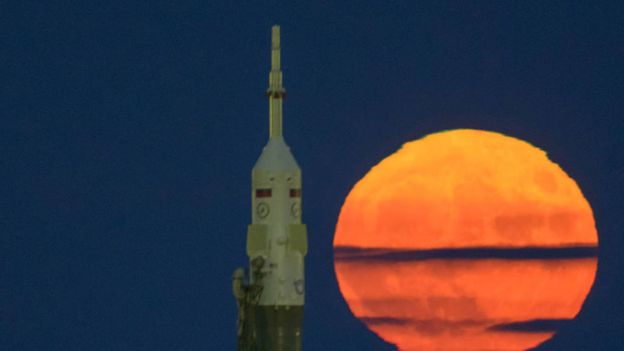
[271, 298]
[276, 91]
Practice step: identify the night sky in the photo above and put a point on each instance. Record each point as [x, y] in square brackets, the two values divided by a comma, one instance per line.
[129, 132]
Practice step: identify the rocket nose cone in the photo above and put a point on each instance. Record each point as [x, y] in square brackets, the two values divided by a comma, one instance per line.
[276, 155]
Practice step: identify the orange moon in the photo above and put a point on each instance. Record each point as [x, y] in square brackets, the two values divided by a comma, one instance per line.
[465, 240]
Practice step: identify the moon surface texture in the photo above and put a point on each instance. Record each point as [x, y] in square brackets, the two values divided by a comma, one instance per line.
[465, 240]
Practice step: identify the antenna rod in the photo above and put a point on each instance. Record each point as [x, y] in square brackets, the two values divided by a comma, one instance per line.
[276, 91]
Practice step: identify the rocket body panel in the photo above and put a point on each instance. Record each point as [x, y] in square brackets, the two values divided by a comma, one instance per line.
[276, 205]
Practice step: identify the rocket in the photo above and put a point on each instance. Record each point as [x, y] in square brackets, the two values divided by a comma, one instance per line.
[270, 297]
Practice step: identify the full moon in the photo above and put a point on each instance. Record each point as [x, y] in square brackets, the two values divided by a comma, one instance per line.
[465, 240]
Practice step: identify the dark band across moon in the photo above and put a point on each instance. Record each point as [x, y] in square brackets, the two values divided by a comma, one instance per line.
[352, 253]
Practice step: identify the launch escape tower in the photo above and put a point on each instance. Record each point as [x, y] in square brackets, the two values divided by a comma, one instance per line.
[270, 299]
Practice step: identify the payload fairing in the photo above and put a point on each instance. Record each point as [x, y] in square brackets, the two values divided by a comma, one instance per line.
[270, 300]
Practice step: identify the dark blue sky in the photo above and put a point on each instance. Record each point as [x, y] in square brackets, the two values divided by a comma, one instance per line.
[129, 132]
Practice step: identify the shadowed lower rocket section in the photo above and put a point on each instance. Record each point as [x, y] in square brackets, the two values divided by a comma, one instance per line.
[279, 328]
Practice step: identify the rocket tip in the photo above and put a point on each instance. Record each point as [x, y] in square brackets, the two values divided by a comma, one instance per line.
[275, 36]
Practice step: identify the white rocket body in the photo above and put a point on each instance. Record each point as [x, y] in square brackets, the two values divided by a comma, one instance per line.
[276, 238]
[276, 223]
